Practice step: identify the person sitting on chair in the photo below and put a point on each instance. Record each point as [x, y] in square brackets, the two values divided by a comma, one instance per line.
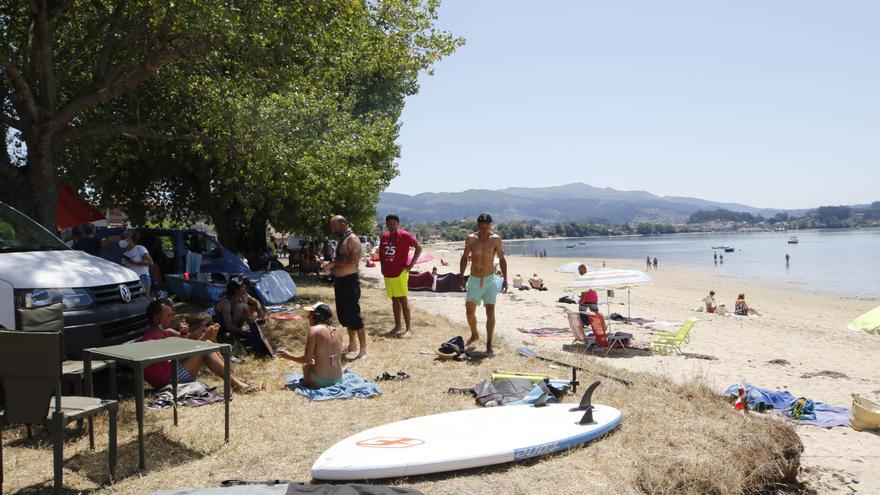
[537, 282]
[322, 366]
[159, 318]
[588, 303]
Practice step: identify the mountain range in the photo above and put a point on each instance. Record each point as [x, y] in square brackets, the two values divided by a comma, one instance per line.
[570, 202]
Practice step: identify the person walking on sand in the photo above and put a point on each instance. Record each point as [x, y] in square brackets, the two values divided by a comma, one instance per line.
[393, 257]
[655, 262]
[482, 286]
[786, 259]
[347, 285]
[648, 261]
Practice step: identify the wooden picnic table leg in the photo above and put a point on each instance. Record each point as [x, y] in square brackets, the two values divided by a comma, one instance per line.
[175, 366]
[139, 412]
[227, 379]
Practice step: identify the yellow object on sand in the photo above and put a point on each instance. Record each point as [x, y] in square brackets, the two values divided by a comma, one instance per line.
[533, 377]
[864, 414]
[868, 322]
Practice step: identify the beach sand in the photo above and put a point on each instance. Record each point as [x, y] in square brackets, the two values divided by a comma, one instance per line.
[805, 332]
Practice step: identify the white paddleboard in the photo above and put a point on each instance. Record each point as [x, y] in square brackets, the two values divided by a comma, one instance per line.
[461, 440]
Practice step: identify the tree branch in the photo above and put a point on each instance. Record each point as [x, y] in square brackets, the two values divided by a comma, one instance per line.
[11, 122]
[22, 97]
[107, 26]
[133, 131]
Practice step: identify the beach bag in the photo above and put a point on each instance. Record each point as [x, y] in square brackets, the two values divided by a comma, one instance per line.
[260, 344]
[455, 345]
[500, 392]
[567, 300]
[49, 318]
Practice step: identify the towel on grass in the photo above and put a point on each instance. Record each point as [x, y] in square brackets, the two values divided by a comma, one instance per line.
[546, 331]
[193, 394]
[351, 386]
[827, 416]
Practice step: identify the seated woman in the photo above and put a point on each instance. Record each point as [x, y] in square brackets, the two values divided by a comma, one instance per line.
[709, 302]
[742, 308]
[159, 318]
[322, 366]
[231, 313]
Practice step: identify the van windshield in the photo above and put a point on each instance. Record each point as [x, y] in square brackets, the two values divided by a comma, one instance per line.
[20, 233]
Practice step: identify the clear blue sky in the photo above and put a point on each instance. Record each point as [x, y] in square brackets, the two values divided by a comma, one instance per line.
[768, 103]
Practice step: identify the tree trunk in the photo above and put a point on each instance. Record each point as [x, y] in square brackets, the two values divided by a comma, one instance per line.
[224, 225]
[33, 189]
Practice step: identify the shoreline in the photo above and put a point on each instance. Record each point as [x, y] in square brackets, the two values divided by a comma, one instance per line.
[801, 344]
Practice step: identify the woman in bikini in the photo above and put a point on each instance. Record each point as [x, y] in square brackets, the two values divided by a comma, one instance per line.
[322, 366]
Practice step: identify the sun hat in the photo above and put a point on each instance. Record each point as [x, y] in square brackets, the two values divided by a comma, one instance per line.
[321, 309]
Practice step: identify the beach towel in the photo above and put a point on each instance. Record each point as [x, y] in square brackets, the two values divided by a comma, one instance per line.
[760, 399]
[547, 331]
[192, 394]
[352, 386]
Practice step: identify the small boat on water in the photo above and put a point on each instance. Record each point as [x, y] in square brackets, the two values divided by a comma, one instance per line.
[571, 246]
[793, 239]
[729, 250]
[721, 247]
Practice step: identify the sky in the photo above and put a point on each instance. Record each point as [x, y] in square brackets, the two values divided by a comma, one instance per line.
[767, 103]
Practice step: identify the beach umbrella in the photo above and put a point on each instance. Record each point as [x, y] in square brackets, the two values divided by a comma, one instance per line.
[423, 258]
[868, 322]
[610, 278]
[571, 267]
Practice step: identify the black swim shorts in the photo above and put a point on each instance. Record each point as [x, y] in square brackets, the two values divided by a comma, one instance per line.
[348, 296]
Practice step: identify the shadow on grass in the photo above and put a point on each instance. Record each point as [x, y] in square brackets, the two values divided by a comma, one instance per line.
[161, 453]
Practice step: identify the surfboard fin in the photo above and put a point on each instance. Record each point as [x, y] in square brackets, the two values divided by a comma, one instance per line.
[586, 405]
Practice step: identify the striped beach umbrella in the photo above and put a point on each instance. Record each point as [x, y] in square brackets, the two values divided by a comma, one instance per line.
[571, 267]
[610, 278]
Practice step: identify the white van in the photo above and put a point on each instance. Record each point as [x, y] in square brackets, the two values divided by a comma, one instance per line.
[104, 303]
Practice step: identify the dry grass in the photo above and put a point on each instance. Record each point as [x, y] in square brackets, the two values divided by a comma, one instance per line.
[674, 439]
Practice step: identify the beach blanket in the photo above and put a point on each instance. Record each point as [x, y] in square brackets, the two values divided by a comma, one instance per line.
[826, 415]
[351, 386]
[547, 331]
[192, 394]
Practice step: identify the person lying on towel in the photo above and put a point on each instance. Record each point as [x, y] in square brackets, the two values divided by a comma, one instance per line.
[322, 359]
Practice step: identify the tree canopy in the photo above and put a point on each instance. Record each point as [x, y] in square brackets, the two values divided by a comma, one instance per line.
[259, 110]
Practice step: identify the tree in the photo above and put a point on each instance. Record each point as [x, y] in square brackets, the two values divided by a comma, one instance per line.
[267, 90]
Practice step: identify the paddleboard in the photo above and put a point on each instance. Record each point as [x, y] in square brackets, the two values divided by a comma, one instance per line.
[461, 440]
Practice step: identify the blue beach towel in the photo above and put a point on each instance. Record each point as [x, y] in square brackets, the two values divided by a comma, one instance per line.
[351, 386]
[826, 415]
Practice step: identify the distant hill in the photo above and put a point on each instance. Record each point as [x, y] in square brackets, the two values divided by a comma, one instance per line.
[570, 202]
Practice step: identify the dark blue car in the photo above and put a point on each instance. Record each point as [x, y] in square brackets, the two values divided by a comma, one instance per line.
[168, 248]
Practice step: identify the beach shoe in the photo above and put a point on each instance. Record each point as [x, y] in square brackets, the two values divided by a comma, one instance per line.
[402, 375]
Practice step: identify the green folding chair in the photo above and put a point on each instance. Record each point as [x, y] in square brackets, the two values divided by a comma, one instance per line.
[30, 393]
[668, 342]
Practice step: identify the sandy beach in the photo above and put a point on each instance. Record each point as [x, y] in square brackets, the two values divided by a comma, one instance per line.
[804, 331]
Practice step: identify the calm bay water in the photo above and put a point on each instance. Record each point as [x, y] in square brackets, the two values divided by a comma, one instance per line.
[838, 261]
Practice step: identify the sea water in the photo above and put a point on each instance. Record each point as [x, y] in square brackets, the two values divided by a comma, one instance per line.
[845, 262]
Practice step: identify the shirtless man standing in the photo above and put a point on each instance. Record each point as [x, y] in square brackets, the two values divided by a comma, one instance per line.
[346, 285]
[322, 359]
[482, 246]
